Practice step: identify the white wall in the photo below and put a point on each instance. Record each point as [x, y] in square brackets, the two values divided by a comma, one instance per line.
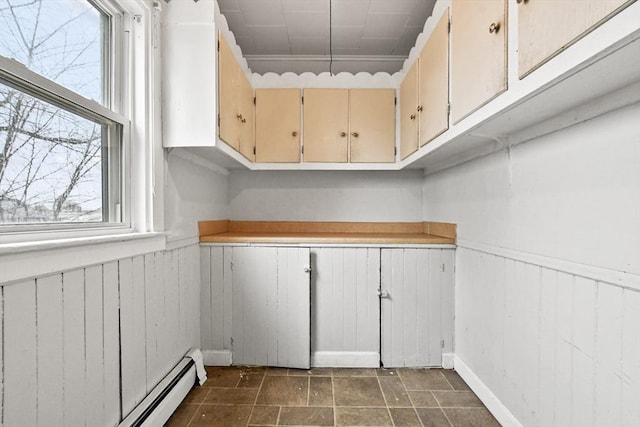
[548, 272]
[326, 196]
[192, 193]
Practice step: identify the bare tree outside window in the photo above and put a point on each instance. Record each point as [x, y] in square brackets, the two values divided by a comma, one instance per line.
[52, 160]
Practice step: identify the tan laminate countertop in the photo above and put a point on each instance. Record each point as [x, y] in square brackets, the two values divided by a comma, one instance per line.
[339, 238]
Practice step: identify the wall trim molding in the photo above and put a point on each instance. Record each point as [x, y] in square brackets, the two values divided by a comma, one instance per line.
[345, 359]
[490, 400]
[613, 277]
[216, 357]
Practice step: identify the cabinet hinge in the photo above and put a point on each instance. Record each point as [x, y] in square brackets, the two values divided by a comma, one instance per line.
[442, 268]
[441, 343]
[218, 45]
[231, 265]
[231, 341]
[449, 108]
[254, 150]
[395, 100]
[218, 119]
[302, 149]
[254, 100]
[302, 100]
[449, 27]
[395, 151]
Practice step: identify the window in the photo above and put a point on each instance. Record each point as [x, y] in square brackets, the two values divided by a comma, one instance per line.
[62, 121]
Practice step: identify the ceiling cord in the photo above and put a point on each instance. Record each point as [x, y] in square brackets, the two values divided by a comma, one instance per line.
[330, 39]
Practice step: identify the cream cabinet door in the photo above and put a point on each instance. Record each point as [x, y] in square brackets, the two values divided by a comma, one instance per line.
[229, 73]
[372, 125]
[434, 82]
[247, 119]
[326, 125]
[408, 112]
[478, 54]
[278, 125]
[545, 28]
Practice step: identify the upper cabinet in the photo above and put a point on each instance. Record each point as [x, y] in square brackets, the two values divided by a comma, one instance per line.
[278, 125]
[545, 28]
[478, 54]
[356, 125]
[409, 112]
[235, 103]
[434, 82]
[326, 125]
[372, 117]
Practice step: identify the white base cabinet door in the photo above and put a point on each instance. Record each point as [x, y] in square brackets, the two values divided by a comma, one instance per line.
[416, 302]
[271, 306]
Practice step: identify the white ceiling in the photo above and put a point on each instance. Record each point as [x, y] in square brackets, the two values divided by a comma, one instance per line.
[294, 35]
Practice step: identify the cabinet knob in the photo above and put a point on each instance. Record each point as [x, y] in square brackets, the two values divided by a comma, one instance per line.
[355, 134]
[412, 116]
[419, 108]
[494, 27]
[243, 120]
[294, 133]
[239, 116]
[343, 134]
[383, 293]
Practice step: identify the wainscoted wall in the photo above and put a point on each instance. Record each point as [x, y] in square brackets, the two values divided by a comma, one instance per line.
[65, 334]
[548, 273]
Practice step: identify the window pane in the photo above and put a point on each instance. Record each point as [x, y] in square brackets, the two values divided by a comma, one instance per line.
[53, 163]
[59, 39]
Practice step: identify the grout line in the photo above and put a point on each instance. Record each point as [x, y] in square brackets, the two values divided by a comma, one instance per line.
[384, 397]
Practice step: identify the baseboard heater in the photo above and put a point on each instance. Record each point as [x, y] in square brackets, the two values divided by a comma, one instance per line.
[164, 399]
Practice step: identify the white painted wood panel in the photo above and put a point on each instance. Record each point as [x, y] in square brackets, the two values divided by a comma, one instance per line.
[74, 335]
[20, 357]
[64, 335]
[94, 350]
[49, 351]
[571, 344]
[345, 307]
[416, 281]
[271, 304]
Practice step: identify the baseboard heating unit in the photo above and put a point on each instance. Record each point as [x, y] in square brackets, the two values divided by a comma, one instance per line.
[164, 399]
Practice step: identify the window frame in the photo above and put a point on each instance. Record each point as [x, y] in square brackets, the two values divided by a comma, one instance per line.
[127, 29]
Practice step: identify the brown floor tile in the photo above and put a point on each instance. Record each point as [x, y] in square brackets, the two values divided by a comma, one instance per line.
[227, 376]
[221, 416]
[301, 416]
[277, 371]
[404, 417]
[424, 379]
[354, 372]
[320, 391]
[280, 391]
[387, 372]
[196, 395]
[362, 417]
[182, 415]
[394, 392]
[455, 380]
[457, 399]
[471, 417]
[423, 399]
[231, 396]
[358, 391]
[264, 415]
[251, 377]
[432, 417]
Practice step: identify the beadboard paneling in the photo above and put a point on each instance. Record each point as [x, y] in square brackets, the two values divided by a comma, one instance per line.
[68, 336]
[557, 348]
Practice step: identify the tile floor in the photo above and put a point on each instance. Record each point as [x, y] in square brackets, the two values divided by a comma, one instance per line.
[257, 396]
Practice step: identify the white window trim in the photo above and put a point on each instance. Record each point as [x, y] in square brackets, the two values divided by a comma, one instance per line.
[140, 171]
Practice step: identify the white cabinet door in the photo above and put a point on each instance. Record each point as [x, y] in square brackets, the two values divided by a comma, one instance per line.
[416, 306]
[271, 306]
[346, 309]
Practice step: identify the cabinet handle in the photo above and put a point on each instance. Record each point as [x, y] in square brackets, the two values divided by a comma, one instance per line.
[355, 134]
[343, 134]
[494, 27]
[412, 116]
[383, 293]
[521, 1]
[294, 133]
[419, 108]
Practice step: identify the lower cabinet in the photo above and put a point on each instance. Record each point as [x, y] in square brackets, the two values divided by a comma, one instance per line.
[359, 307]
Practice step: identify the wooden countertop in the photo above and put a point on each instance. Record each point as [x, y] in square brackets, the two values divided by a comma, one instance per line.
[225, 231]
